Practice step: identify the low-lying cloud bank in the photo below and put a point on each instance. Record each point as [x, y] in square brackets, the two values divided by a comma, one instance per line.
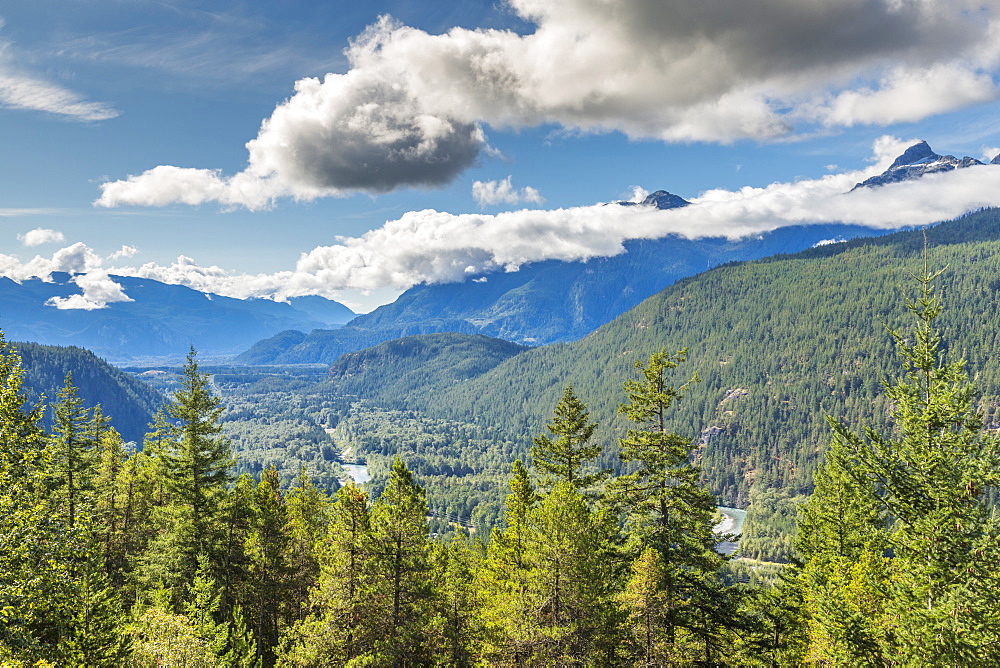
[411, 109]
[435, 247]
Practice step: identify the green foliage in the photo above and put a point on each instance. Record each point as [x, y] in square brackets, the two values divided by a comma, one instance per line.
[195, 461]
[899, 541]
[130, 401]
[564, 458]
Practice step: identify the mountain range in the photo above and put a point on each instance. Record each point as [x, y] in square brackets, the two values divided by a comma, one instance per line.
[543, 302]
[554, 301]
[161, 321]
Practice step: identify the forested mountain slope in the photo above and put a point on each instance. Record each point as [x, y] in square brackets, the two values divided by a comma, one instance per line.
[129, 402]
[778, 344]
[543, 302]
[396, 369]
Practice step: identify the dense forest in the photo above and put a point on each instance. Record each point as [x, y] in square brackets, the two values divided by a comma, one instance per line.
[130, 401]
[165, 556]
[778, 343]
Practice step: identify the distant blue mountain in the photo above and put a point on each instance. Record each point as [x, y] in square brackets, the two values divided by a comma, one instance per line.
[162, 321]
[544, 302]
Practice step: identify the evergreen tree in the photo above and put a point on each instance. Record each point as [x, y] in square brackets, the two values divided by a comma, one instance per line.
[38, 553]
[403, 588]
[266, 547]
[564, 457]
[669, 511]
[74, 449]
[196, 465]
[342, 624]
[307, 507]
[458, 561]
[504, 602]
[571, 581]
[927, 583]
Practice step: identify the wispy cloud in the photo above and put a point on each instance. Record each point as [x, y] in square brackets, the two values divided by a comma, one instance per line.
[22, 90]
[411, 107]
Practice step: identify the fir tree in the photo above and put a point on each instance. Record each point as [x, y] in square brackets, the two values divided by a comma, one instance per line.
[564, 457]
[926, 584]
[669, 511]
[196, 465]
[74, 449]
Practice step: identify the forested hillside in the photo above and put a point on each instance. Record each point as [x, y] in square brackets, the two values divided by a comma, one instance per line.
[542, 302]
[778, 344]
[129, 402]
[164, 557]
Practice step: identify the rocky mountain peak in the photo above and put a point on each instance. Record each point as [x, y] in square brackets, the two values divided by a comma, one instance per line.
[915, 162]
[661, 199]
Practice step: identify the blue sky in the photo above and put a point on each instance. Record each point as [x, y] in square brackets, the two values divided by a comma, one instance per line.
[391, 129]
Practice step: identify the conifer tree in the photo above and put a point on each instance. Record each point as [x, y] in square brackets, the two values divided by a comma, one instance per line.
[504, 600]
[307, 507]
[669, 511]
[196, 463]
[571, 581]
[38, 553]
[266, 547]
[565, 456]
[74, 449]
[342, 624]
[929, 579]
[403, 588]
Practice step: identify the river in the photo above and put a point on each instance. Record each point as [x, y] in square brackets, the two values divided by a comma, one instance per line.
[359, 472]
[732, 522]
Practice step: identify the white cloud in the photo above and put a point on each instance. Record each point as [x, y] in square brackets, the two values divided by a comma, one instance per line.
[20, 90]
[488, 193]
[432, 247]
[85, 266]
[409, 110]
[39, 236]
[123, 252]
[99, 290]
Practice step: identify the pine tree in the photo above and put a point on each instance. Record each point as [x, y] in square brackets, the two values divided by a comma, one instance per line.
[669, 511]
[927, 583]
[564, 457]
[74, 449]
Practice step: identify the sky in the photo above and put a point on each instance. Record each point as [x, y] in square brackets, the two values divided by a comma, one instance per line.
[286, 147]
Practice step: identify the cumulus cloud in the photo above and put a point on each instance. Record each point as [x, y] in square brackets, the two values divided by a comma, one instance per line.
[40, 236]
[123, 252]
[98, 289]
[411, 107]
[433, 247]
[488, 193]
